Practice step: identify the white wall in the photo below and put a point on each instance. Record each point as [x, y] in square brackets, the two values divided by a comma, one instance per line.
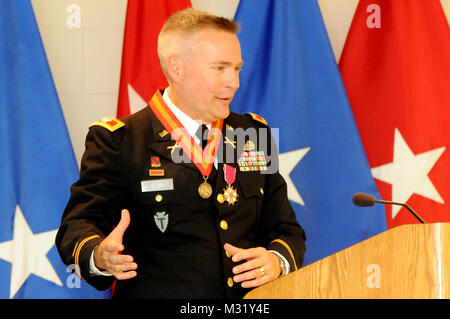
[85, 61]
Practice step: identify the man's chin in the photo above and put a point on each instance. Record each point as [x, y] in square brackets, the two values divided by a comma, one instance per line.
[219, 112]
[224, 113]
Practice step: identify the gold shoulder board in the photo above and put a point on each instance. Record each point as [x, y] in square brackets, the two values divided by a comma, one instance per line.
[111, 124]
[258, 118]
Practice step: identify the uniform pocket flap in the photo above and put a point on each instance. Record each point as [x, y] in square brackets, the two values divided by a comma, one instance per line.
[251, 184]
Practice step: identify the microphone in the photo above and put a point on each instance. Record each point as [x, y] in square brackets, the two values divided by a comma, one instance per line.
[365, 200]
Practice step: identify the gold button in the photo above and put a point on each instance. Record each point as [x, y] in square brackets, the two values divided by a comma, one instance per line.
[227, 254]
[158, 198]
[220, 198]
[223, 224]
[230, 282]
[261, 190]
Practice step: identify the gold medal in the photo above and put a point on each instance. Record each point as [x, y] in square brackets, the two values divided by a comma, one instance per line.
[205, 189]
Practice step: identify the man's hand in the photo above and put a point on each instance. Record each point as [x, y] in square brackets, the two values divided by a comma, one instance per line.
[107, 255]
[261, 266]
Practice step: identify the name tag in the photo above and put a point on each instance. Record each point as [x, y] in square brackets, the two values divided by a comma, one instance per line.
[165, 184]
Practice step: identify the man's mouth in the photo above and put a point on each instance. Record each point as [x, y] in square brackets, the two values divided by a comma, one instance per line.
[224, 100]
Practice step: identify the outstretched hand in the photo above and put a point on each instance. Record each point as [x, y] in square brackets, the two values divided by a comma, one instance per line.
[107, 255]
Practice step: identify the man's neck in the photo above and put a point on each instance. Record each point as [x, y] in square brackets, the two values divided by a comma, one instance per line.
[174, 98]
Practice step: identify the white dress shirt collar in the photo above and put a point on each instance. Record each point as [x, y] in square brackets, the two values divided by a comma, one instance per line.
[189, 124]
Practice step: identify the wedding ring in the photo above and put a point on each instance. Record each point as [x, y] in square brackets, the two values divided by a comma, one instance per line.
[262, 271]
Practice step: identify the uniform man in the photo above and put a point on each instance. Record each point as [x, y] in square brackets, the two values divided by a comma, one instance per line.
[166, 216]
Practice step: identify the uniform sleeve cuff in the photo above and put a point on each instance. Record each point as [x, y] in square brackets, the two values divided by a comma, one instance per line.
[287, 267]
[283, 249]
[93, 270]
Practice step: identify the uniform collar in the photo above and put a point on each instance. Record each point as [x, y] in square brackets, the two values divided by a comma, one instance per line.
[171, 134]
[188, 123]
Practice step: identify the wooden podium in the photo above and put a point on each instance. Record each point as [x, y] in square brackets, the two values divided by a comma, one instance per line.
[405, 262]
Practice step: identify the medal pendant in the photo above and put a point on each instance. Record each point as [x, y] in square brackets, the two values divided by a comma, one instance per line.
[230, 195]
[205, 190]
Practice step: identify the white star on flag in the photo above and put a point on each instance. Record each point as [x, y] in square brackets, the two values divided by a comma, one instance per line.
[135, 99]
[408, 173]
[27, 254]
[288, 161]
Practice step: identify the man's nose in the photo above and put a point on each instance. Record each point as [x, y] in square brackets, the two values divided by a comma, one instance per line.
[232, 80]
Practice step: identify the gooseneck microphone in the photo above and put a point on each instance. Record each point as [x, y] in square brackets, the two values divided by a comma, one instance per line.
[365, 200]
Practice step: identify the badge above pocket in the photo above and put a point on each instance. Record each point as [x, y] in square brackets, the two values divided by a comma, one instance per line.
[251, 161]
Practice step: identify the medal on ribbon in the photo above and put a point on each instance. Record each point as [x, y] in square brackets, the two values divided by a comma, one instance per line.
[205, 189]
[230, 193]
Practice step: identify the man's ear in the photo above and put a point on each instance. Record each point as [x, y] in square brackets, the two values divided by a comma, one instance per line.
[174, 67]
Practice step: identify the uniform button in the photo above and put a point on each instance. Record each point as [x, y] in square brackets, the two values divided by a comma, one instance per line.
[220, 198]
[261, 190]
[158, 198]
[230, 282]
[223, 224]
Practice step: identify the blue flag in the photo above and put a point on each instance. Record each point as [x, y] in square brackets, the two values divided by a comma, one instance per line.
[38, 166]
[290, 77]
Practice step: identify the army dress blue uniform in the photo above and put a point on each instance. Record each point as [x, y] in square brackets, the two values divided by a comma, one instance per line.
[175, 236]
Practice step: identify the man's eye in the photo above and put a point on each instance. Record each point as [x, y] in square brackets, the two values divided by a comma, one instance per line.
[219, 68]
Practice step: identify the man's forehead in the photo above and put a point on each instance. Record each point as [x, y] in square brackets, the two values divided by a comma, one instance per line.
[222, 46]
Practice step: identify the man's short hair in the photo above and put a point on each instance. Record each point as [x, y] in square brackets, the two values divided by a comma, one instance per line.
[185, 23]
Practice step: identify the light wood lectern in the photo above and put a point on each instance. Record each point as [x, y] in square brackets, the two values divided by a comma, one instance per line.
[409, 261]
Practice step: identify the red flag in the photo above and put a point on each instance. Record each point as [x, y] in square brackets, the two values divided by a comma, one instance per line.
[141, 73]
[396, 70]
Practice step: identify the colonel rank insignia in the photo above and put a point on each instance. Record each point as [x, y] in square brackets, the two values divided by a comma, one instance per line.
[111, 124]
[258, 118]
